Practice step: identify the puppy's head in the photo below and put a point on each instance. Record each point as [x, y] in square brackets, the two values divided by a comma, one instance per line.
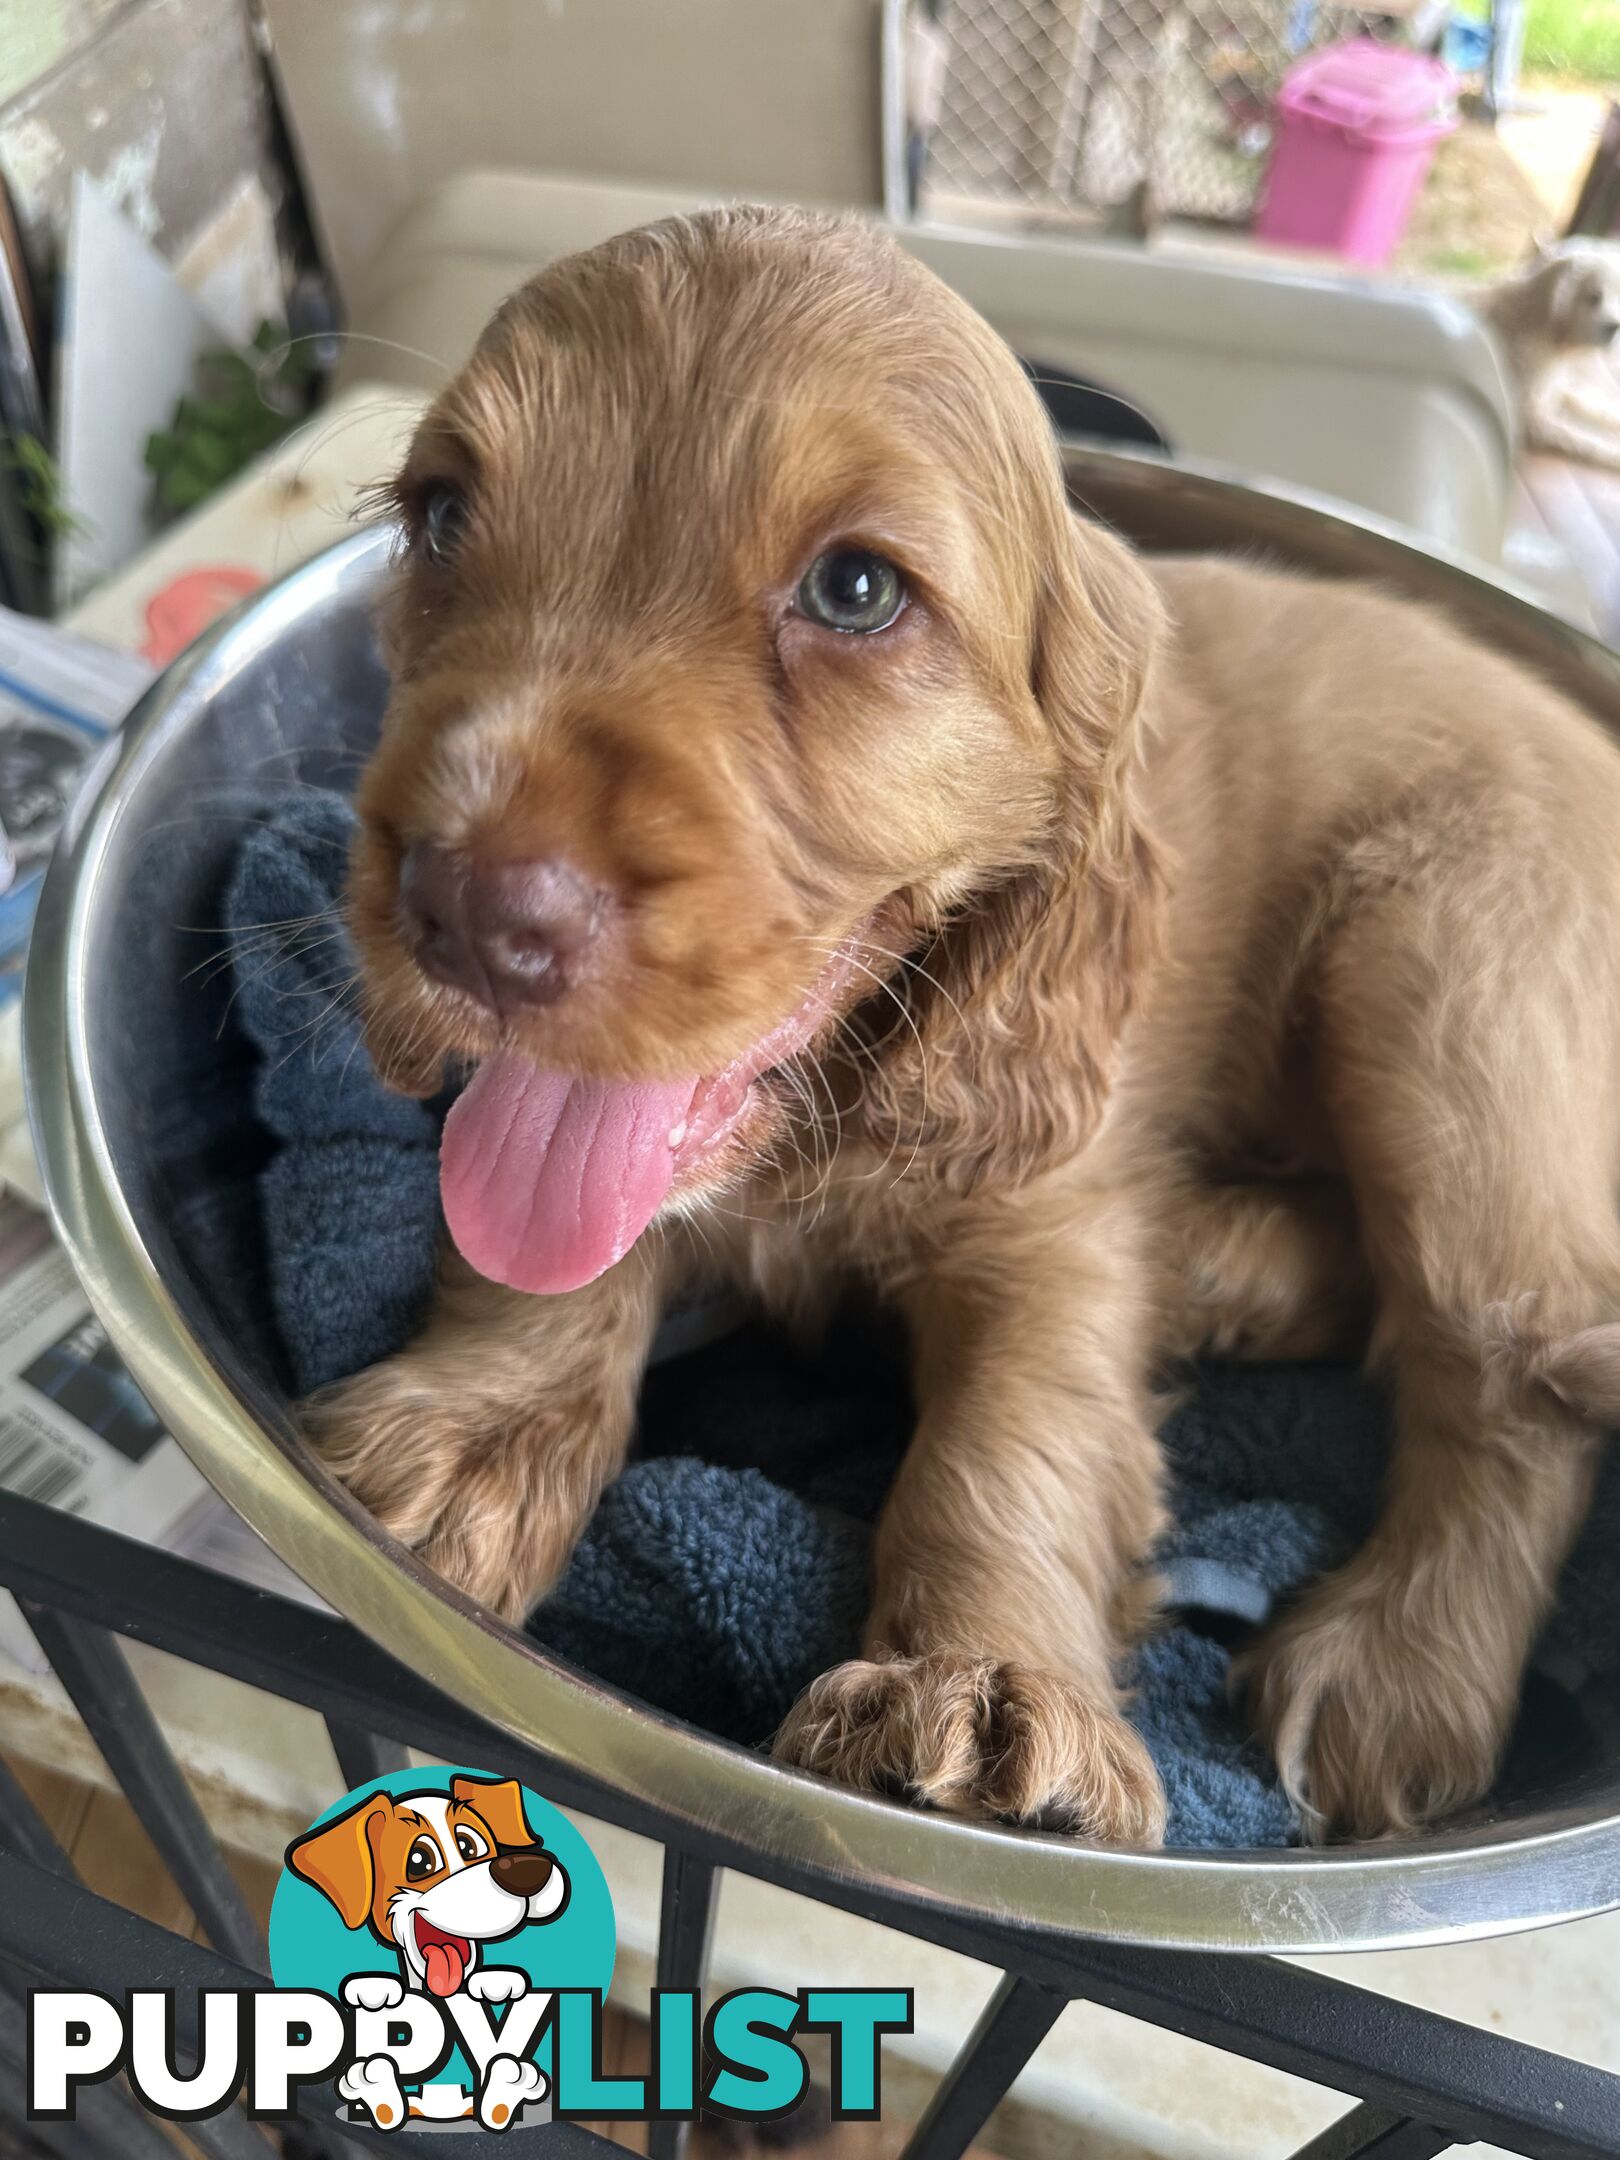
[434, 1874]
[1581, 283]
[743, 647]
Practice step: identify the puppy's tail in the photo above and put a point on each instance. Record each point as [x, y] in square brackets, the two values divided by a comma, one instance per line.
[1583, 1371]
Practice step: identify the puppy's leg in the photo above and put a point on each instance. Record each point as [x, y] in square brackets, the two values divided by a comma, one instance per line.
[1265, 1271]
[485, 1444]
[1478, 1142]
[1005, 1584]
[1565, 421]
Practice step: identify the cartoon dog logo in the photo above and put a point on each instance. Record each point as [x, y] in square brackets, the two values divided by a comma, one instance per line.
[436, 1876]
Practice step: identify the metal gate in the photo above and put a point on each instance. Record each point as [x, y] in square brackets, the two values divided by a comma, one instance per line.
[1421, 2083]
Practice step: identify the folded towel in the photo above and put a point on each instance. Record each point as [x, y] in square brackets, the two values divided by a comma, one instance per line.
[729, 1564]
[350, 1198]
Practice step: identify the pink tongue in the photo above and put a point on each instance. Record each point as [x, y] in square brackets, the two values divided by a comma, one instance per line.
[546, 1180]
[444, 1968]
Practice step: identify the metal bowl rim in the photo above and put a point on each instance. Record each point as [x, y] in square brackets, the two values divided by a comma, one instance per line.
[1445, 1888]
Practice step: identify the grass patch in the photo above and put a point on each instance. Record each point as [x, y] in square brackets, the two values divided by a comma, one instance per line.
[1462, 262]
[1579, 39]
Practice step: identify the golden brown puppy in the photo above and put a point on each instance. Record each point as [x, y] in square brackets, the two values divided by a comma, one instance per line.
[848, 865]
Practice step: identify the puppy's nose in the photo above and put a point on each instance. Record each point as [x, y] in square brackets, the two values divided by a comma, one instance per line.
[433, 901]
[523, 1873]
[509, 934]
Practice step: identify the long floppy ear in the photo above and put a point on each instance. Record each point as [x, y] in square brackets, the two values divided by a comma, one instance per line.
[1565, 278]
[1017, 1035]
[339, 1861]
[500, 1802]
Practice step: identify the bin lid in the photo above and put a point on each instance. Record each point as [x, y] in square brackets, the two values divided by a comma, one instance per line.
[1372, 90]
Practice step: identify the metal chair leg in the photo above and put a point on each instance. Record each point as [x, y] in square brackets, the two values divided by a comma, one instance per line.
[364, 1757]
[24, 1829]
[95, 1672]
[1370, 2133]
[1012, 2025]
[685, 1935]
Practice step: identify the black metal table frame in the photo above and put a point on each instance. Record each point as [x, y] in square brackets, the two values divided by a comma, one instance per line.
[1421, 2082]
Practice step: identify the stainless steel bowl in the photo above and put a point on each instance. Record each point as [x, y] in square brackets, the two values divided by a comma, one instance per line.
[120, 1029]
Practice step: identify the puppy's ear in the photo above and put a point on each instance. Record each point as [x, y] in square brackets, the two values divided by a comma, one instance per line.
[500, 1802]
[1097, 634]
[338, 1858]
[1563, 294]
[1017, 1034]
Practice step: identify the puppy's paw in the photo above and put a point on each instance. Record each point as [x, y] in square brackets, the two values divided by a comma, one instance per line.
[973, 1737]
[497, 1984]
[507, 2085]
[1378, 1719]
[469, 1494]
[373, 1991]
[374, 2085]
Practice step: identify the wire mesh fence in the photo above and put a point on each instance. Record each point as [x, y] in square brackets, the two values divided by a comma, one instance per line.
[1089, 105]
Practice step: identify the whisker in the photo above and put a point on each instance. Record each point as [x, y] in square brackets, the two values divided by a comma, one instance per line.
[291, 945]
[883, 983]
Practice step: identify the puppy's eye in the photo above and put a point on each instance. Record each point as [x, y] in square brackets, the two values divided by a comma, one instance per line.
[852, 589]
[444, 520]
[470, 1845]
[422, 1859]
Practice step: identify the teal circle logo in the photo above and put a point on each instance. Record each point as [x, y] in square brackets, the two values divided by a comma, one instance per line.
[445, 1890]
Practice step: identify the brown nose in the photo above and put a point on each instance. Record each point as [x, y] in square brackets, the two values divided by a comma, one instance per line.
[509, 934]
[523, 1873]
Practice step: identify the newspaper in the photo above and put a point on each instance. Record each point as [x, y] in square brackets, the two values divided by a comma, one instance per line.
[60, 698]
[75, 1430]
[77, 1433]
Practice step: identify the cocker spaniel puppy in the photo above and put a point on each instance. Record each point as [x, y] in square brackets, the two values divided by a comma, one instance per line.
[843, 865]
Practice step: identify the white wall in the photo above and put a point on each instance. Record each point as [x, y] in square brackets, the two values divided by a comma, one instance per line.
[386, 97]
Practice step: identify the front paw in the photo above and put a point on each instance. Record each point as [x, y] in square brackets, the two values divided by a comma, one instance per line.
[1379, 1720]
[469, 1494]
[508, 2085]
[373, 1991]
[374, 2085]
[497, 1984]
[974, 1737]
